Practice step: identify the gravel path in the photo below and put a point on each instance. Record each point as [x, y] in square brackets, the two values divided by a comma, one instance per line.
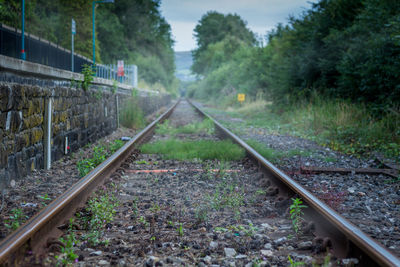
[39, 188]
[372, 202]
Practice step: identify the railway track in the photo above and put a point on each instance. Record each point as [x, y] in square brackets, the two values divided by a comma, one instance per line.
[175, 223]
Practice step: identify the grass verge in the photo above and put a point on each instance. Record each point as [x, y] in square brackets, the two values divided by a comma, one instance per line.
[338, 124]
[189, 150]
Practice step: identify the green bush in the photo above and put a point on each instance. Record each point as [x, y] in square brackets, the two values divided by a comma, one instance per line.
[130, 115]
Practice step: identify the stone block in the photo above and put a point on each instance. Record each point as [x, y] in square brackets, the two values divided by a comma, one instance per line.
[32, 121]
[22, 140]
[33, 106]
[5, 98]
[3, 156]
[3, 119]
[36, 135]
[13, 121]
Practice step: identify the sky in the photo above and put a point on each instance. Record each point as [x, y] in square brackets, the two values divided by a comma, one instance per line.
[261, 15]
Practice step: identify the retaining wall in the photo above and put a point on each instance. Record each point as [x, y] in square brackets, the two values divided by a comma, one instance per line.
[77, 116]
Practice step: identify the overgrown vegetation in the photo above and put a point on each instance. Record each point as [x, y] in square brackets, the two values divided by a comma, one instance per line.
[190, 150]
[333, 71]
[130, 115]
[132, 30]
[88, 73]
[100, 154]
[337, 124]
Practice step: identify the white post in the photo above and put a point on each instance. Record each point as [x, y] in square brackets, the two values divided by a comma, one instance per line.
[47, 133]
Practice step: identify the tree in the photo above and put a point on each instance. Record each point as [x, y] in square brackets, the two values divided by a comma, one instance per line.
[214, 27]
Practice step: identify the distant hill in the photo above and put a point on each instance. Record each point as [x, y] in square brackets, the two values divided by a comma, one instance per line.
[183, 61]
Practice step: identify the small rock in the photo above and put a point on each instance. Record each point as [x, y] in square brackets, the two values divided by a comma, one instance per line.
[266, 226]
[241, 256]
[12, 183]
[268, 246]
[350, 262]
[213, 244]
[351, 190]
[103, 262]
[151, 261]
[229, 252]
[305, 245]
[96, 253]
[280, 240]
[267, 253]
[207, 259]
[361, 194]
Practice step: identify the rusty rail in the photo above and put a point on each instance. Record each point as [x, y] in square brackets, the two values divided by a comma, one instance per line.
[347, 239]
[42, 226]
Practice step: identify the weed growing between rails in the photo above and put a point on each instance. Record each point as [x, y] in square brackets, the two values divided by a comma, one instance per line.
[190, 150]
[296, 214]
[88, 227]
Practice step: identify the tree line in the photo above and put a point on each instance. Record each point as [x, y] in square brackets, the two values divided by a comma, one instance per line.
[346, 49]
[132, 30]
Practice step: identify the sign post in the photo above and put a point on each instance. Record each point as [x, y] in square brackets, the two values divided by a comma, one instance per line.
[73, 32]
[241, 98]
[120, 70]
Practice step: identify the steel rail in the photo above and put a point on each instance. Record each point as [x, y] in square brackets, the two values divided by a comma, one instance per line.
[36, 230]
[372, 253]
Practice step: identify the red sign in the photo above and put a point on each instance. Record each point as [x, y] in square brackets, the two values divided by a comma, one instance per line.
[120, 71]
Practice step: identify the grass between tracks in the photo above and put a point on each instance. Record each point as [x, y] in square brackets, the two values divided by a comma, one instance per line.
[189, 150]
[337, 124]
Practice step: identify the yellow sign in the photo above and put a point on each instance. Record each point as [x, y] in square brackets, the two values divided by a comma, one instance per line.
[241, 97]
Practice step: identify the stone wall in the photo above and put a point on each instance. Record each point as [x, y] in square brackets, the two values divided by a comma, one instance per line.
[81, 116]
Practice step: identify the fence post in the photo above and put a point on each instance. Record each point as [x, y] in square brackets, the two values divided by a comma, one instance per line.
[47, 132]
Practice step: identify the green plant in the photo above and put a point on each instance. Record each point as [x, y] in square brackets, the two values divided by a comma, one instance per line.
[15, 219]
[102, 211]
[201, 213]
[179, 229]
[88, 72]
[68, 256]
[296, 214]
[131, 115]
[135, 210]
[295, 264]
[45, 198]
[190, 150]
[99, 93]
[114, 87]
[86, 165]
[114, 146]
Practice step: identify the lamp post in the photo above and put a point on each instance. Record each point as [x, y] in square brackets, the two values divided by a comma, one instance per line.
[93, 21]
[23, 55]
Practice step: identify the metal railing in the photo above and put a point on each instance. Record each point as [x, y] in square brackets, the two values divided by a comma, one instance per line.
[47, 53]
